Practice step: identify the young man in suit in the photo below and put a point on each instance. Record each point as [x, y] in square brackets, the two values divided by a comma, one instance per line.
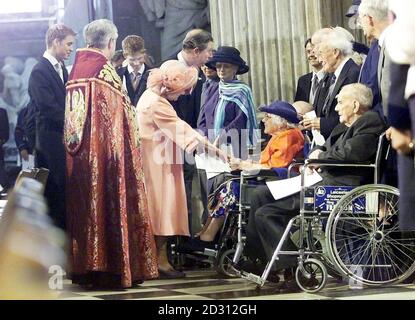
[134, 75]
[334, 52]
[308, 84]
[47, 94]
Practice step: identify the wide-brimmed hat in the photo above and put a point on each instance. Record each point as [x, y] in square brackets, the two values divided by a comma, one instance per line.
[228, 55]
[283, 109]
[354, 8]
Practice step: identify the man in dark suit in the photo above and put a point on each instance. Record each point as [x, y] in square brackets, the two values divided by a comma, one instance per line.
[197, 49]
[134, 75]
[401, 106]
[401, 135]
[334, 53]
[4, 136]
[47, 93]
[354, 140]
[308, 84]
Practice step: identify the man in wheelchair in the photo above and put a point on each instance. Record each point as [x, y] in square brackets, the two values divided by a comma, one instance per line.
[354, 140]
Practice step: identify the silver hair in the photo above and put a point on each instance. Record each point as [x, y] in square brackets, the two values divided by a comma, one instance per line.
[377, 9]
[346, 33]
[359, 92]
[98, 33]
[338, 39]
[320, 35]
[279, 121]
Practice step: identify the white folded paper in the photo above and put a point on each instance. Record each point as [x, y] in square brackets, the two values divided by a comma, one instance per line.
[29, 164]
[318, 138]
[212, 165]
[284, 188]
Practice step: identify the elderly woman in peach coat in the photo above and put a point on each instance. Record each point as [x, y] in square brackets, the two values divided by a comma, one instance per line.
[163, 137]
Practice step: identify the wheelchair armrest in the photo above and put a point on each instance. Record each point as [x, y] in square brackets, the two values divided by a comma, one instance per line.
[336, 162]
[294, 164]
[267, 173]
[259, 173]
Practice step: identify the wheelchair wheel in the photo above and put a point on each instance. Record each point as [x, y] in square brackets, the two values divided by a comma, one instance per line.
[311, 277]
[364, 240]
[224, 263]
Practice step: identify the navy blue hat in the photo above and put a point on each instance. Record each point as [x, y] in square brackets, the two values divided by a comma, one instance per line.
[353, 9]
[282, 109]
[228, 55]
[360, 48]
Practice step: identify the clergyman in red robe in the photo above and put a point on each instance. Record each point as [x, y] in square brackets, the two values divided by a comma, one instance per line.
[111, 241]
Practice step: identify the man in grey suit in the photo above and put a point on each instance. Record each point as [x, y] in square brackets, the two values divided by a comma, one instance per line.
[373, 15]
[374, 18]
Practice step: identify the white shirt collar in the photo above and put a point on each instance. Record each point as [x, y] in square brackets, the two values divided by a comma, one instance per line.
[382, 36]
[320, 74]
[141, 71]
[340, 67]
[51, 58]
[181, 59]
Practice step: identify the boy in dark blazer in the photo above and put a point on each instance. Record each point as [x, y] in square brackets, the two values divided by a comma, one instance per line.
[47, 93]
[134, 75]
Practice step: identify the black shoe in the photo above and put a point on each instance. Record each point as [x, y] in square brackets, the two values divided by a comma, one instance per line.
[289, 274]
[195, 245]
[288, 287]
[171, 274]
[137, 282]
[250, 267]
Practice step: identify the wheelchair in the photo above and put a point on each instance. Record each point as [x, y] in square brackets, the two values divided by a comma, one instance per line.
[349, 233]
[229, 240]
[232, 236]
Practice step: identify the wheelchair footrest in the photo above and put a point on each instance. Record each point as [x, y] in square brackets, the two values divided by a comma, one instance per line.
[251, 277]
[210, 252]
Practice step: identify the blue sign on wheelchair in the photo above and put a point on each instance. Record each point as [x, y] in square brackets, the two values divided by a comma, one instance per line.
[326, 197]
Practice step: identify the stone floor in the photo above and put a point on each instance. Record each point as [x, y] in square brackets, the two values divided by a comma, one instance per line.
[208, 285]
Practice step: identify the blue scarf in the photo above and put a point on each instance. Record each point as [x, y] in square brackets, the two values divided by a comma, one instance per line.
[240, 94]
